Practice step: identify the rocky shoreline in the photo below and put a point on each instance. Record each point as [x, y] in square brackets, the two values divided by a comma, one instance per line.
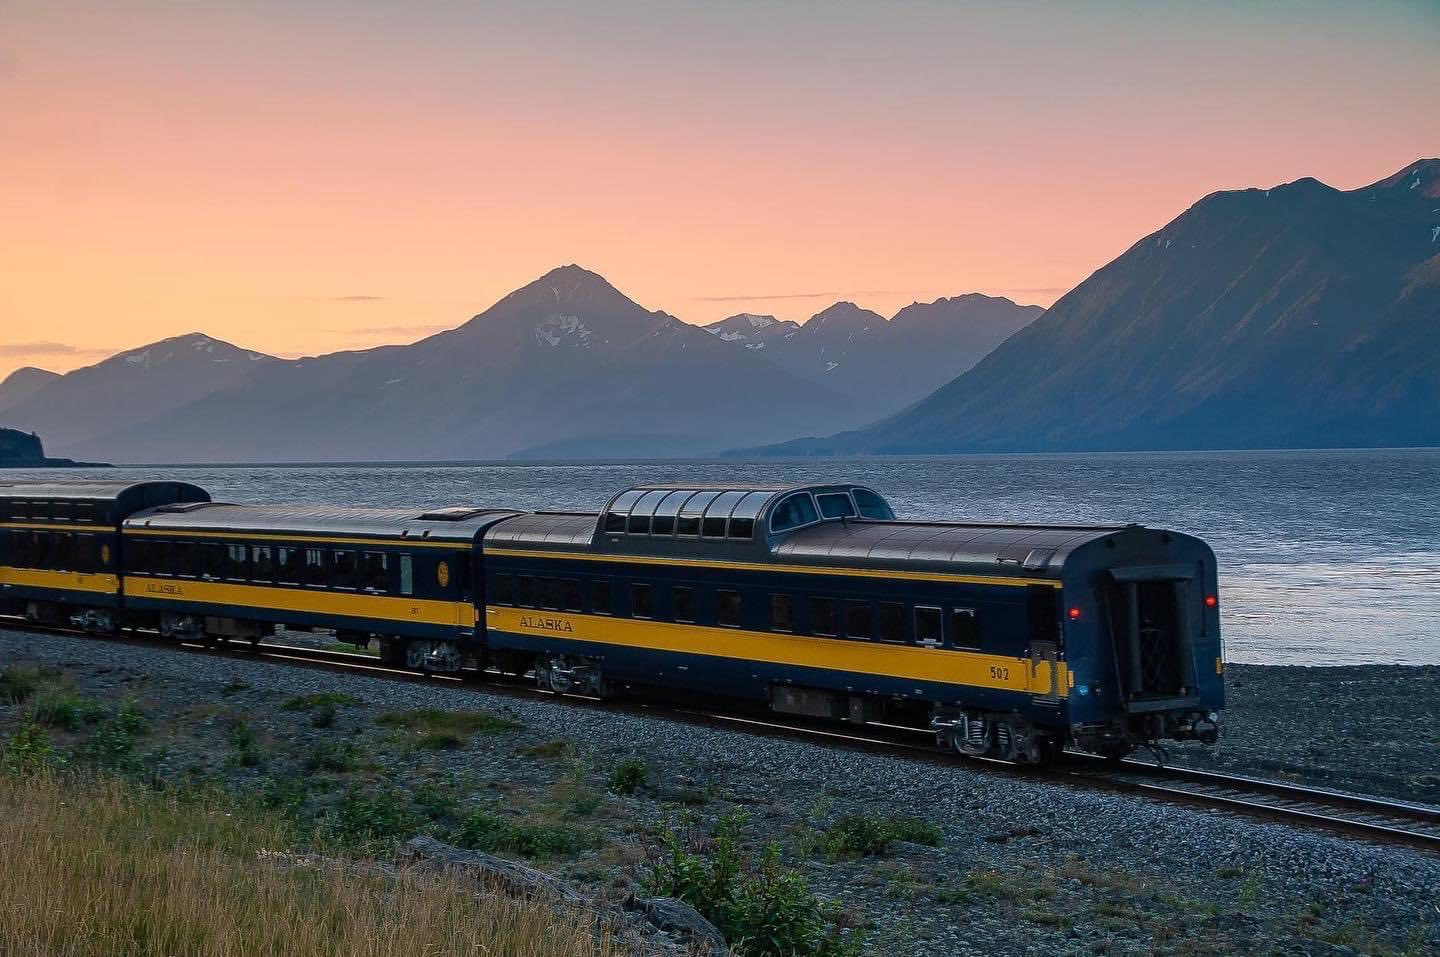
[915, 858]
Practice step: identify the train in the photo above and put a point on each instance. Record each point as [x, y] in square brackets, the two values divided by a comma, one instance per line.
[1008, 641]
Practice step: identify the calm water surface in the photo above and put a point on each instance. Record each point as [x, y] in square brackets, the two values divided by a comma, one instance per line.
[1326, 557]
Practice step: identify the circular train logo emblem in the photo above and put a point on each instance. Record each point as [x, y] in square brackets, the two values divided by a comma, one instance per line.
[104, 554]
[443, 574]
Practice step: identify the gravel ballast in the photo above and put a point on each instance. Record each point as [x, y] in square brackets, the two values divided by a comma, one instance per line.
[1024, 867]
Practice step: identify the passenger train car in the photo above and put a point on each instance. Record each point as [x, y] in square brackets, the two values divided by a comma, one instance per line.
[1009, 641]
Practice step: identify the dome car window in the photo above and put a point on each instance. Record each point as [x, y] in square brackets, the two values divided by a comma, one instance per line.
[792, 512]
[836, 505]
[872, 505]
[665, 513]
[689, 523]
[639, 522]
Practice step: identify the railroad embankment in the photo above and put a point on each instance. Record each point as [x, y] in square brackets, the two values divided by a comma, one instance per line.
[841, 852]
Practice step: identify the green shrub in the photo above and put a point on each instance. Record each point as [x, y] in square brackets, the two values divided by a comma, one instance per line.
[234, 686]
[27, 750]
[244, 745]
[457, 724]
[484, 830]
[368, 817]
[335, 756]
[111, 746]
[320, 699]
[762, 907]
[129, 718]
[550, 749]
[66, 709]
[863, 835]
[18, 685]
[281, 794]
[629, 776]
[436, 801]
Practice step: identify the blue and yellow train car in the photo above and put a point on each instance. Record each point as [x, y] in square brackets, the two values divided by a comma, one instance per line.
[60, 547]
[1008, 640]
[405, 578]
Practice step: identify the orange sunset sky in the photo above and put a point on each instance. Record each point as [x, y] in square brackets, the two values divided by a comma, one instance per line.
[300, 177]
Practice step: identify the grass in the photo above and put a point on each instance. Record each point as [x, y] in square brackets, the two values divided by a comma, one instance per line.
[485, 830]
[110, 868]
[66, 710]
[865, 835]
[437, 730]
[320, 699]
[19, 683]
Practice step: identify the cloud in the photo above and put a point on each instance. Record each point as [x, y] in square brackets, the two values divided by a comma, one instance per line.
[49, 349]
[423, 330]
[806, 295]
[1041, 290]
[357, 298]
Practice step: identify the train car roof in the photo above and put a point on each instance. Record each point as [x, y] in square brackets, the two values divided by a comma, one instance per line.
[570, 531]
[1018, 550]
[445, 524]
[103, 490]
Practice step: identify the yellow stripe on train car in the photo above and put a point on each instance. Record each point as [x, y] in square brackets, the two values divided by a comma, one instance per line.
[308, 601]
[298, 539]
[90, 582]
[906, 662]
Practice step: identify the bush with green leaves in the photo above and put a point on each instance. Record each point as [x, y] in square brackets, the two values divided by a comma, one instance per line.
[18, 683]
[485, 830]
[764, 908]
[629, 776]
[864, 835]
[66, 710]
[369, 817]
[27, 750]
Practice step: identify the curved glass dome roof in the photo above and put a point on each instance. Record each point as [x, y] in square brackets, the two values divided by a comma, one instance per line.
[733, 513]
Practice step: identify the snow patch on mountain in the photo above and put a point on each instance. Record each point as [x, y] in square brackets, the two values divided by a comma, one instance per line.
[554, 330]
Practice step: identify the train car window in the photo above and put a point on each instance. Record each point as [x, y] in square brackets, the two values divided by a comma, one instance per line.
[570, 592]
[683, 598]
[187, 559]
[836, 505]
[548, 593]
[717, 515]
[741, 528]
[615, 517]
[1044, 608]
[639, 523]
[85, 512]
[640, 606]
[377, 572]
[689, 521]
[729, 608]
[782, 617]
[262, 565]
[792, 512]
[461, 565]
[600, 597]
[891, 618]
[407, 575]
[61, 511]
[857, 620]
[62, 551]
[872, 505]
[22, 548]
[665, 513]
[213, 557]
[138, 556]
[315, 570]
[525, 591]
[237, 568]
[87, 553]
[346, 571]
[822, 611]
[504, 590]
[290, 571]
[928, 624]
[965, 629]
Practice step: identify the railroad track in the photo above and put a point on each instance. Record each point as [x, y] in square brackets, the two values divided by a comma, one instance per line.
[1372, 818]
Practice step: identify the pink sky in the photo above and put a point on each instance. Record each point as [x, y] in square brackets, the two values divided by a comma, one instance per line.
[304, 177]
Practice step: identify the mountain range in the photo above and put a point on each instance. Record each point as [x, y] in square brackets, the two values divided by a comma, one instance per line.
[566, 366]
[1298, 316]
[886, 363]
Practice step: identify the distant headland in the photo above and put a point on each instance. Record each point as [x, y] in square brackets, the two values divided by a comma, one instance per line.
[24, 450]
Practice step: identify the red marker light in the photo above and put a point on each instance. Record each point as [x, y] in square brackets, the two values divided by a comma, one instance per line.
[1211, 601]
[1074, 614]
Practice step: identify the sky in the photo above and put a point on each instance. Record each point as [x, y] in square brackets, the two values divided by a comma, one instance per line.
[305, 176]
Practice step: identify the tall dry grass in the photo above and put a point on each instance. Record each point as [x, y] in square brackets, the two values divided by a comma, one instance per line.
[99, 867]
